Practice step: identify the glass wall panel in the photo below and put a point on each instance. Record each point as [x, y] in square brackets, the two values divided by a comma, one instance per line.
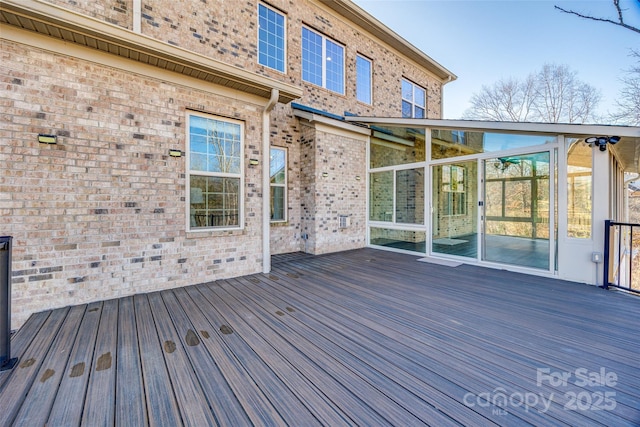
[381, 196]
[410, 196]
[408, 240]
[579, 181]
[446, 144]
[396, 146]
[517, 208]
[455, 204]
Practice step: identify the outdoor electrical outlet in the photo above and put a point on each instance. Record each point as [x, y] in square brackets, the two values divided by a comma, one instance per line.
[596, 257]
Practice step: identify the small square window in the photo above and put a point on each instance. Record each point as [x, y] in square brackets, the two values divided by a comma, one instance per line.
[414, 100]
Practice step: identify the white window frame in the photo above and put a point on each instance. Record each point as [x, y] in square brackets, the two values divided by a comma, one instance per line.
[189, 173]
[284, 41]
[282, 185]
[411, 101]
[370, 83]
[325, 39]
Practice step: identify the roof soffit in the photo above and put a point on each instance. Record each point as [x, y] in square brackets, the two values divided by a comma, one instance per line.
[64, 24]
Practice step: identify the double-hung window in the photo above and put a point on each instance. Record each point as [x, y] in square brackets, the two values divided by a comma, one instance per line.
[271, 38]
[278, 179]
[215, 172]
[413, 100]
[363, 79]
[322, 61]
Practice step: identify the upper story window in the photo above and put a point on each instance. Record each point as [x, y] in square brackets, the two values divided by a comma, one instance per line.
[271, 38]
[363, 79]
[214, 172]
[322, 61]
[278, 178]
[414, 99]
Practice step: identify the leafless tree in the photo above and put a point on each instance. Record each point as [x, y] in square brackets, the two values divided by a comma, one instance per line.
[552, 95]
[628, 102]
[619, 22]
[506, 100]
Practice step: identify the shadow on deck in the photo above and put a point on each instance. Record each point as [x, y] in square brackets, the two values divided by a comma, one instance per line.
[363, 337]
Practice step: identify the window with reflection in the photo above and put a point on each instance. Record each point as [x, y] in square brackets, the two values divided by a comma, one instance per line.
[215, 174]
[579, 188]
[391, 146]
[278, 184]
[414, 100]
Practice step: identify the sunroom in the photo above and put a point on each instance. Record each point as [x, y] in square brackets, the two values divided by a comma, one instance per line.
[527, 197]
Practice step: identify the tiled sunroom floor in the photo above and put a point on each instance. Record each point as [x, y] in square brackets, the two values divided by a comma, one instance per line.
[364, 337]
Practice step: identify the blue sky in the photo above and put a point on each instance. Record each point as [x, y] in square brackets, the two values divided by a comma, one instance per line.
[482, 41]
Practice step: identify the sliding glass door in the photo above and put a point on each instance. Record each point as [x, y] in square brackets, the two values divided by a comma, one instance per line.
[517, 203]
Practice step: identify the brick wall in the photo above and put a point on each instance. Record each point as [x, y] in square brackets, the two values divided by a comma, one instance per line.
[227, 31]
[101, 214]
[117, 12]
[340, 189]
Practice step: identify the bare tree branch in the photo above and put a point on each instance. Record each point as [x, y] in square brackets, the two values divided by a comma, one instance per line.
[552, 95]
[620, 22]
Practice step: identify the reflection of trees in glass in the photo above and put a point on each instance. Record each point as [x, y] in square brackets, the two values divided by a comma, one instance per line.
[517, 195]
[277, 173]
[579, 176]
[215, 149]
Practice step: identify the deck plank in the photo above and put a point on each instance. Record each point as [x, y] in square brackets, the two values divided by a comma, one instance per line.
[22, 338]
[378, 336]
[161, 402]
[307, 380]
[223, 402]
[292, 410]
[17, 386]
[100, 401]
[333, 271]
[35, 408]
[228, 356]
[130, 406]
[190, 398]
[327, 349]
[66, 411]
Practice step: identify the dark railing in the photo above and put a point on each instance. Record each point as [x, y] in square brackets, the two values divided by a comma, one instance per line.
[6, 362]
[622, 255]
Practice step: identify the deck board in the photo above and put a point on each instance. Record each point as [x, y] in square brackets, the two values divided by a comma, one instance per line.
[18, 384]
[130, 406]
[99, 408]
[162, 407]
[45, 387]
[363, 337]
[66, 411]
[218, 394]
[250, 394]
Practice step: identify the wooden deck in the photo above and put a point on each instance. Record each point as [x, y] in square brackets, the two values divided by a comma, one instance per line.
[364, 337]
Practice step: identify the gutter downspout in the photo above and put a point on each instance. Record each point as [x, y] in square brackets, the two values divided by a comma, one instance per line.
[266, 181]
[137, 16]
[442, 96]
